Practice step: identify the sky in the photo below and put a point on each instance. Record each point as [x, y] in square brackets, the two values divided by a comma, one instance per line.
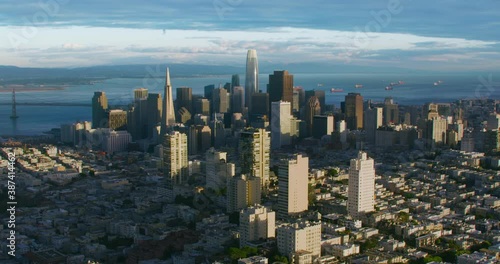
[446, 35]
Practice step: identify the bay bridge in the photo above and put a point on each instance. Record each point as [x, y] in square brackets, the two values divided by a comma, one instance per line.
[46, 104]
[14, 104]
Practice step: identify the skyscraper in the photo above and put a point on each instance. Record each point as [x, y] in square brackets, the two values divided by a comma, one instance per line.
[237, 99]
[391, 112]
[184, 98]
[207, 90]
[373, 120]
[140, 93]
[220, 102]
[293, 185]
[242, 191]
[323, 125]
[168, 118]
[312, 108]
[354, 111]
[117, 119]
[154, 112]
[280, 87]
[260, 105]
[175, 159]
[361, 194]
[99, 108]
[139, 127]
[280, 124]
[235, 81]
[254, 150]
[430, 111]
[218, 170]
[320, 94]
[251, 78]
[435, 131]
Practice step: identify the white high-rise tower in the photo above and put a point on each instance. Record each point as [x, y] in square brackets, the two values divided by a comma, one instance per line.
[361, 195]
[293, 185]
[168, 117]
[251, 78]
[281, 124]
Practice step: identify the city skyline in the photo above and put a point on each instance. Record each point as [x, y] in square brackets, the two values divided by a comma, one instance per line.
[361, 33]
[372, 134]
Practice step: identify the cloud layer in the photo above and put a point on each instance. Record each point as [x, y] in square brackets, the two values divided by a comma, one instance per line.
[449, 35]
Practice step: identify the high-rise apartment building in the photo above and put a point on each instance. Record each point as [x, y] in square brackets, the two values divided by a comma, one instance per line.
[300, 239]
[217, 169]
[115, 141]
[242, 191]
[254, 150]
[293, 186]
[256, 222]
[280, 124]
[175, 159]
[361, 194]
[435, 131]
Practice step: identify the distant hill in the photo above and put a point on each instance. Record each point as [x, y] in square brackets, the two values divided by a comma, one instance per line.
[20, 75]
[10, 73]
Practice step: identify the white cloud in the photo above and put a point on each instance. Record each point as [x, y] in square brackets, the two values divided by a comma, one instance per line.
[91, 46]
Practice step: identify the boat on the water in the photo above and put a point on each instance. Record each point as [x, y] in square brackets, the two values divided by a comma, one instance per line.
[333, 90]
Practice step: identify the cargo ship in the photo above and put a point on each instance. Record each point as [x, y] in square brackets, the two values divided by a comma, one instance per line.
[333, 90]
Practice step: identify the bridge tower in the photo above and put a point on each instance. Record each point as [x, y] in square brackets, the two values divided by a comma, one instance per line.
[14, 111]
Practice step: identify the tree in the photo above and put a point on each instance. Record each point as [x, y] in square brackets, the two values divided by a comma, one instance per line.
[404, 217]
[333, 173]
[236, 253]
[477, 247]
[432, 259]
[369, 244]
[280, 259]
[312, 194]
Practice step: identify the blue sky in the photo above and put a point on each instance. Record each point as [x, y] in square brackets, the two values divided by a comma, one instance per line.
[447, 35]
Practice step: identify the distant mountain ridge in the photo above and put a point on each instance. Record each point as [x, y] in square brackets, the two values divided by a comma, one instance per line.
[11, 74]
[113, 71]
